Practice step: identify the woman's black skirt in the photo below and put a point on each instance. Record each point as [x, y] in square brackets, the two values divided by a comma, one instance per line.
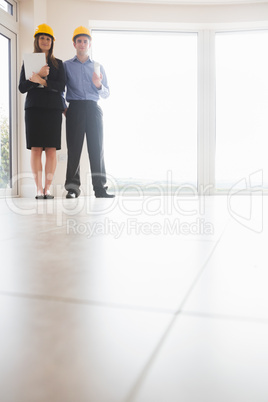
[43, 128]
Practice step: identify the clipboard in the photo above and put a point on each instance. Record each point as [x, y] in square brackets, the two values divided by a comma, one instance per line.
[33, 62]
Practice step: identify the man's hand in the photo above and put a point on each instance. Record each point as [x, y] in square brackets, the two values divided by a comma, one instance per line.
[97, 80]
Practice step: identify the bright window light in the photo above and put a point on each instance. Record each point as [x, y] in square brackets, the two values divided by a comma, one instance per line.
[241, 108]
[150, 119]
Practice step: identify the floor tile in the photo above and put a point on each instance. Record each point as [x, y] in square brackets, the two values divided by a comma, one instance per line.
[65, 352]
[234, 280]
[208, 360]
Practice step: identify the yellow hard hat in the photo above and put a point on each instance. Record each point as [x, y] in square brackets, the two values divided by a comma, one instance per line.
[81, 31]
[44, 29]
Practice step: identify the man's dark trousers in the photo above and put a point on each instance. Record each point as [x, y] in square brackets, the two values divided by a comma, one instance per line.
[84, 117]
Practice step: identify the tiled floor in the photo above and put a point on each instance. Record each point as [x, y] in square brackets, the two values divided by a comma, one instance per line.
[134, 299]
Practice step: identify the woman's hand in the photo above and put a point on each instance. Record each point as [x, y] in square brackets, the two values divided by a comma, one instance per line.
[97, 80]
[44, 72]
[37, 79]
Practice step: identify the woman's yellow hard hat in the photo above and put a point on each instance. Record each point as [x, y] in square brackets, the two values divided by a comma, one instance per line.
[81, 31]
[44, 29]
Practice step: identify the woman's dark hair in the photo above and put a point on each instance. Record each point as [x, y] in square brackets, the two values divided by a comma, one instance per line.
[50, 52]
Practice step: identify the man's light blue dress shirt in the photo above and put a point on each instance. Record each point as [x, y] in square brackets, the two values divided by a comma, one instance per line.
[79, 81]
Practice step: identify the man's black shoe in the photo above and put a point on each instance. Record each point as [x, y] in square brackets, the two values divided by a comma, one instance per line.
[71, 194]
[103, 194]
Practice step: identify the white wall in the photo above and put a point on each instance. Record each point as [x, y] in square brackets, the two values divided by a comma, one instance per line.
[65, 15]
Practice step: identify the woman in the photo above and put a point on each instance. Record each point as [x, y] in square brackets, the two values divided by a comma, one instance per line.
[43, 110]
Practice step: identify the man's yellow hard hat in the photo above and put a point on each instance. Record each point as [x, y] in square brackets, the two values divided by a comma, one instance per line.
[81, 31]
[44, 29]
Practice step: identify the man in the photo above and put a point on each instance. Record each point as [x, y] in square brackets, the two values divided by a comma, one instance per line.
[84, 116]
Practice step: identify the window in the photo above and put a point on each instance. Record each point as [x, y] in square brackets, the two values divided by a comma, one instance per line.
[241, 108]
[6, 6]
[151, 116]
[5, 113]
[8, 139]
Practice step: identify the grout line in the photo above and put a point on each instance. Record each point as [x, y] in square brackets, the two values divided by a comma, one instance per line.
[133, 392]
[202, 269]
[67, 300]
[53, 229]
[19, 235]
[226, 317]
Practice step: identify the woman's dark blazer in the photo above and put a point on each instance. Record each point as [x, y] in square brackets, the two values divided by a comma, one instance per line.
[48, 97]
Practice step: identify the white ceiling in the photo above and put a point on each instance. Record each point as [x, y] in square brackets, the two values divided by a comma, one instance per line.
[179, 2]
[184, 2]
